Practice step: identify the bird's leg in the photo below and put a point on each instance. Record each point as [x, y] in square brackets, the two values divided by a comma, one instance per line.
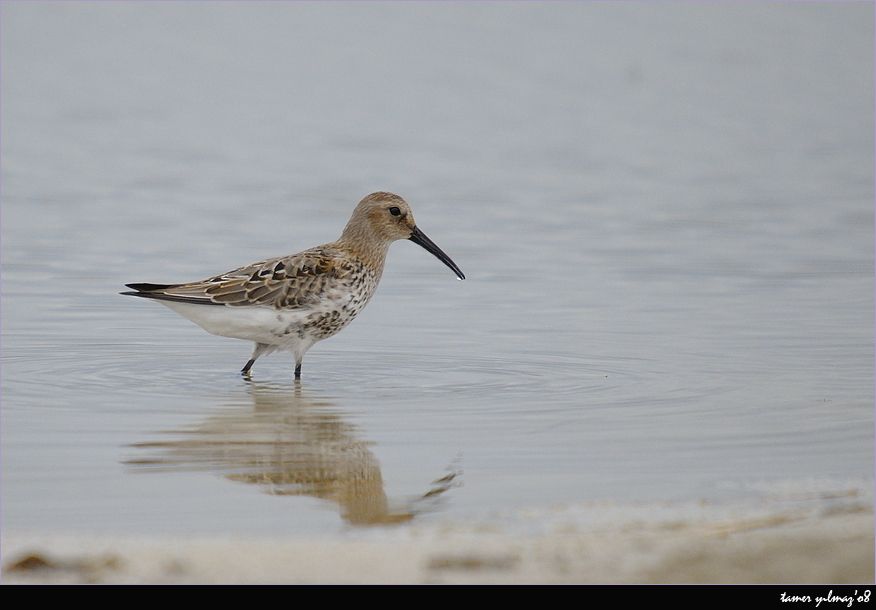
[257, 351]
[298, 370]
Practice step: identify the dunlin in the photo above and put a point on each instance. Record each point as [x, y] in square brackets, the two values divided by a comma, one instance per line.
[291, 302]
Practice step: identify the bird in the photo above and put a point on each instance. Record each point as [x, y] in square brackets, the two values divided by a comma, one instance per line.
[289, 303]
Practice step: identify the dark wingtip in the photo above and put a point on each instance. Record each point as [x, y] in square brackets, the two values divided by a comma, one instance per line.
[145, 287]
[153, 291]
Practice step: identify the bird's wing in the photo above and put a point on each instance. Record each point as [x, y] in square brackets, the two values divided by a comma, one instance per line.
[299, 280]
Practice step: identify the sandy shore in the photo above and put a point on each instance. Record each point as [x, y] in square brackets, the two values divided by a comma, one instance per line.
[828, 539]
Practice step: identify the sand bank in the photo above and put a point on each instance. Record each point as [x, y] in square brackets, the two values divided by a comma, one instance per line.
[828, 539]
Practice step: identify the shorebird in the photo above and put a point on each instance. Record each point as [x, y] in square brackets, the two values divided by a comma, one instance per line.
[291, 302]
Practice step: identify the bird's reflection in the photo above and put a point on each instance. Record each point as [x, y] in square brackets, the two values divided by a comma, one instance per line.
[290, 442]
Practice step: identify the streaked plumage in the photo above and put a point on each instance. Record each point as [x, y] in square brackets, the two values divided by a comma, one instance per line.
[291, 302]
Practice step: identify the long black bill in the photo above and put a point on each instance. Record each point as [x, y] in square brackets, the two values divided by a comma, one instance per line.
[418, 237]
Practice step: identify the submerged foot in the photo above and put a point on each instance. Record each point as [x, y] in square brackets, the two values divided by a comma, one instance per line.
[246, 367]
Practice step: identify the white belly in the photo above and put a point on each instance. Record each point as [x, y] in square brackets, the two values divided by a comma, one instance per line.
[260, 324]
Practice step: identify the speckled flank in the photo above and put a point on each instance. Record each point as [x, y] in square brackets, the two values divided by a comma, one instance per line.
[292, 302]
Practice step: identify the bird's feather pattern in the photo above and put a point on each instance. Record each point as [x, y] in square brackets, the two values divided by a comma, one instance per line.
[287, 282]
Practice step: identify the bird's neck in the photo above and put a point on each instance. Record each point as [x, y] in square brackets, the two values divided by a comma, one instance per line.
[364, 245]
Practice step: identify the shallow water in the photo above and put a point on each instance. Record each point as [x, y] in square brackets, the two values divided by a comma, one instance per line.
[664, 214]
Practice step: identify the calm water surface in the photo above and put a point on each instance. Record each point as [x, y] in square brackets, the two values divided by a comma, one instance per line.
[665, 215]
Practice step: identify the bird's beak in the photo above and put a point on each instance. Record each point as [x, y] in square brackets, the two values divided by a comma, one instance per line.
[418, 237]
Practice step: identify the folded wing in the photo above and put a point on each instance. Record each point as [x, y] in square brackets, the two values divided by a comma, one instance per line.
[289, 282]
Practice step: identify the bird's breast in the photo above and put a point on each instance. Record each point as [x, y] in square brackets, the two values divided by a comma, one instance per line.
[341, 304]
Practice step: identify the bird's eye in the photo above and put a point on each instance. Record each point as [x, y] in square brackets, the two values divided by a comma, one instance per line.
[395, 211]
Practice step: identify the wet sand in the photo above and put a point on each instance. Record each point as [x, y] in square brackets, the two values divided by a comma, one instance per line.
[828, 540]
